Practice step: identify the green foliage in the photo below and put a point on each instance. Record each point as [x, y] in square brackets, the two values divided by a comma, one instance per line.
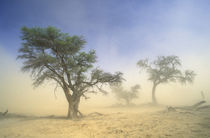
[49, 54]
[166, 69]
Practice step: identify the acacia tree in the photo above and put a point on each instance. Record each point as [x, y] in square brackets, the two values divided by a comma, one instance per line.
[125, 95]
[49, 54]
[165, 69]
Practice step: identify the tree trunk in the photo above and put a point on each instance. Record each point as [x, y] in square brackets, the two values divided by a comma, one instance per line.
[73, 109]
[73, 104]
[154, 101]
[70, 111]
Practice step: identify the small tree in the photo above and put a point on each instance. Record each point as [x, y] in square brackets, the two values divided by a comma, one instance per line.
[49, 54]
[126, 95]
[165, 69]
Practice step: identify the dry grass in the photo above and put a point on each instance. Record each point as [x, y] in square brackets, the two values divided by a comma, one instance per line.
[112, 123]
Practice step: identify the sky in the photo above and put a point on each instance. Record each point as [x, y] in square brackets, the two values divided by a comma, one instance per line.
[121, 32]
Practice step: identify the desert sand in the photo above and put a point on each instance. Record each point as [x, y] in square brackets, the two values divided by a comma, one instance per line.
[136, 122]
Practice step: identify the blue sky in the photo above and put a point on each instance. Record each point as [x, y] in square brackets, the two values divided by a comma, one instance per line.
[129, 27]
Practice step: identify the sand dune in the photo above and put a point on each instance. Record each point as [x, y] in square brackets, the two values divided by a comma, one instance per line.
[112, 123]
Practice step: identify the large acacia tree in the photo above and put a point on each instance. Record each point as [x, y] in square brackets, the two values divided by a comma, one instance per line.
[165, 69]
[49, 54]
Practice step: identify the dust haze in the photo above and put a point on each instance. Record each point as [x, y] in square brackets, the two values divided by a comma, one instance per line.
[19, 96]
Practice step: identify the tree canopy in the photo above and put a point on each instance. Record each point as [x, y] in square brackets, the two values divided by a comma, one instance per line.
[126, 95]
[166, 69]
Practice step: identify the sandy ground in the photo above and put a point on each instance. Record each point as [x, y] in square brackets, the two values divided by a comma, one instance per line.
[112, 123]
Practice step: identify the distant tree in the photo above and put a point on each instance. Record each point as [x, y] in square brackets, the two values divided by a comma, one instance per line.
[165, 69]
[126, 95]
[49, 54]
